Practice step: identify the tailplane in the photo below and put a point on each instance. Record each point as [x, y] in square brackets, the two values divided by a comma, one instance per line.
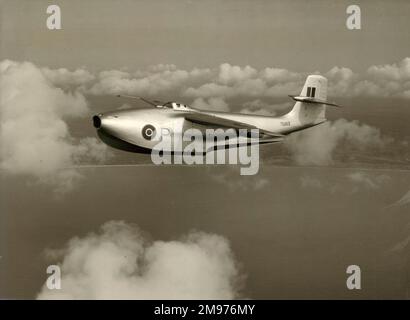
[310, 106]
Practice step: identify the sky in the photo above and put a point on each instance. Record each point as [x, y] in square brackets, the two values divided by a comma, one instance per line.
[329, 197]
[297, 35]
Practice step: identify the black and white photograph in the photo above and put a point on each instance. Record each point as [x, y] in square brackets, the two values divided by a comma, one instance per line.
[204, 150]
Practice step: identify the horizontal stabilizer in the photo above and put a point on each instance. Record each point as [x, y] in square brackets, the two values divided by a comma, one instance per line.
[313, 100]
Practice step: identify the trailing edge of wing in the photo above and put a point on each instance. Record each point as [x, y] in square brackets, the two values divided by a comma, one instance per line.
[228, 145]
[207, 119]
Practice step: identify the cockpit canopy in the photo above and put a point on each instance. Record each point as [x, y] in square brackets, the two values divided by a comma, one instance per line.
[175, 105]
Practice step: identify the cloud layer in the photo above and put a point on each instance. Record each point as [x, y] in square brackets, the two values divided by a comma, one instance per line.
[34, 137]
[316, 146]
[36, 102]
[223, 86]
[120, 262]
[231, 81]
[350, 183]
[249, 90]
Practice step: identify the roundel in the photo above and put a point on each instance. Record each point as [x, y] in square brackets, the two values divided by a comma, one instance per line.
[148, 132]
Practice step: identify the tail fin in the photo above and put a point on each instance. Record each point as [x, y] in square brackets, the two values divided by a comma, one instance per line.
[315, 87]
[310, 105]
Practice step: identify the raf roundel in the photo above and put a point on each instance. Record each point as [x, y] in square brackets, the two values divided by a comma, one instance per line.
[148, 132]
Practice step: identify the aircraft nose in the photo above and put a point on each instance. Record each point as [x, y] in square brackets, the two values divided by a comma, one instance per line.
[97, 121]
[108, 122]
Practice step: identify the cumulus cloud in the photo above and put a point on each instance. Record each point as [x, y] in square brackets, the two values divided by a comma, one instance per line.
[35, 102]
[246, 82]
[158, 80]
[34, 137]
[367, 180]
[393, 79]
[341, 81]
[66, 79]
[350, 183]
[263, 108]
[390, 80]
[229, 177]
[278, 75]
[120, 262]
[316, 146]
[216, 104]
[391, 72]
[308, 181]
[229, 82]
[229, 74]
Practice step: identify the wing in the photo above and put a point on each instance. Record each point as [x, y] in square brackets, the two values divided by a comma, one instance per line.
[229, 144]
[208, 119]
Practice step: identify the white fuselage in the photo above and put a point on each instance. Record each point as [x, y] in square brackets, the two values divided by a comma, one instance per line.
[128, 125]
[140, 127]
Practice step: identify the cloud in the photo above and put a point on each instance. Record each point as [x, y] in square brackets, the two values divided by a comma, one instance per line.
[34, 137]
[263, 108]
[66, 79]
[229, 74]
[232, 82]
[216, 104]
[229, 176]
[119, 262]
[158, 80]
[246, 82]
[307, 181]
[228, 81]
[393, 79]
[341, 81]
[316, 146]
[350, 183]
[389, 80]
[391, 72]
[278, 75]
[368, 181]
[36, 102]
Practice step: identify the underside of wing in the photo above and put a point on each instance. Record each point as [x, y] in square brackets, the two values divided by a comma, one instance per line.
[207, 119]
[235, 144]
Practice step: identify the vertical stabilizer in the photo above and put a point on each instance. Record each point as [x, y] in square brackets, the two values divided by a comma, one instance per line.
[311, 113]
